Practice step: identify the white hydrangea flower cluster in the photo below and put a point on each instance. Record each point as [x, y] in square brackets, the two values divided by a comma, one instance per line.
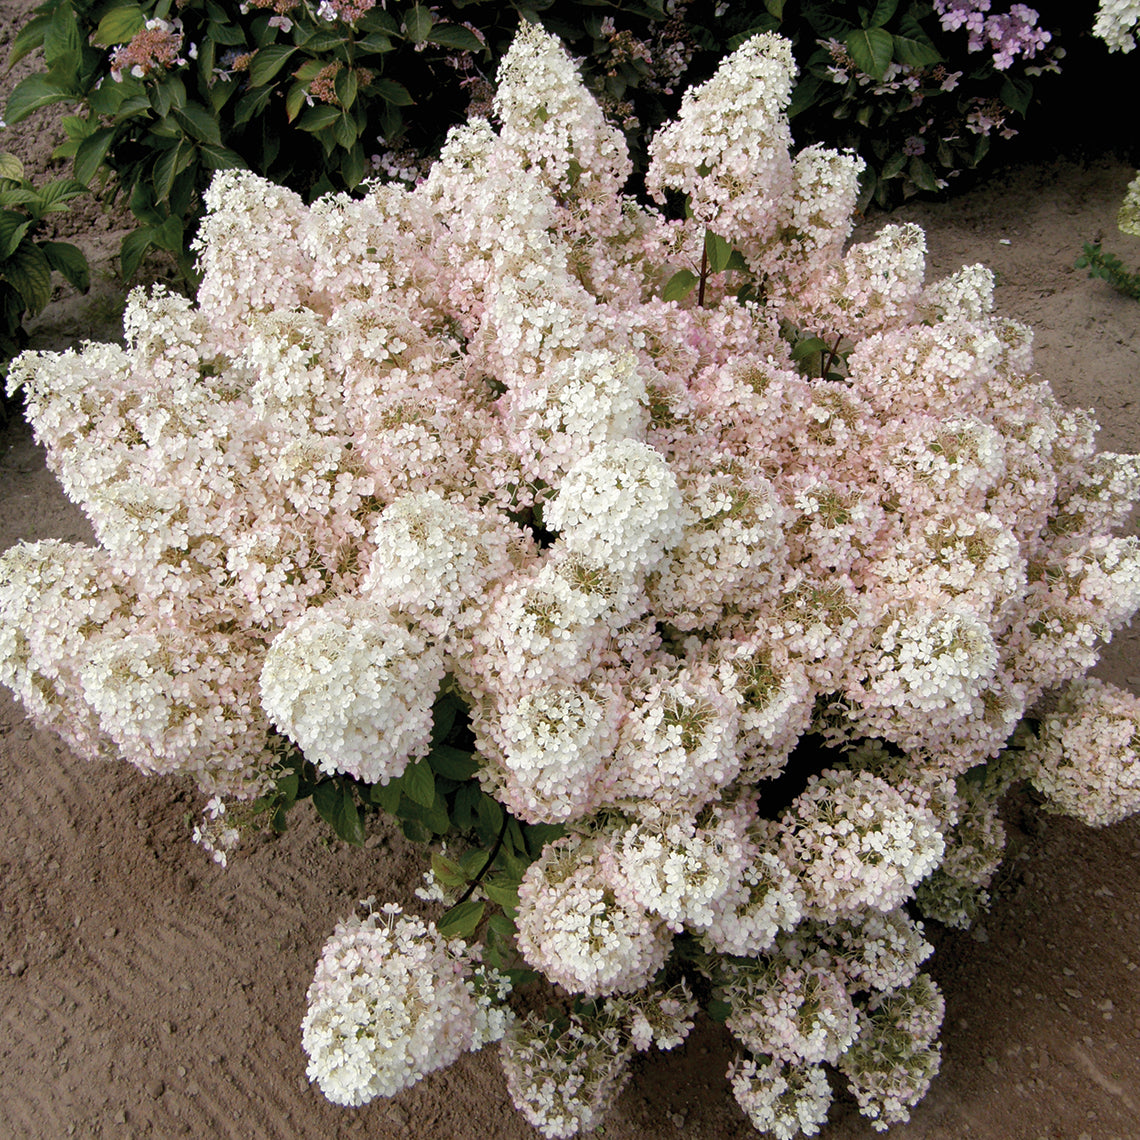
[1128, 217]
[745, 631]
[1085, 758]
[391, 1001]
[1116, 22]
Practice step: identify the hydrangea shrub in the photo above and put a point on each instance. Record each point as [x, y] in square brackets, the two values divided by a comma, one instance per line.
[692, 573]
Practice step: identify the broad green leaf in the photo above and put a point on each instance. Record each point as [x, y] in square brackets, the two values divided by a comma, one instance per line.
[462, 920]
[453, 763]
[55, 195]
[26, 196]
[11, 167]
[433, 815]
[415, 831]
[169, 233]
[28, 272]
[167, 167]
[884, 10]
[346, 85]
[91, 153]
[679, 286]
[893, 166]
[198, 123]
[913, 47]
[267, 62]
[717, 250]
[68, 261]
[29, 38]
[719, 1011]
[387, 796]
[77, 127]
[33, 93]
[220, 158]
[337, 807]
[295, 100]
[392, 92]
[133, 249]
[344, 130]
[376, 42]
[538, 835]
[119, 25]
[488, 819]
[418, 783]
[1017, 93]
[807, 347]
[319, 118]
[775, 8]
[505, 894]
[502, 927]
[444, 712]
[447, 871]
[287, 788]
[922, 175]
[308, 70]
[61, 40]
[13, 226]
[454, 36]
[465, 806]
[871, 49]
[418, 23]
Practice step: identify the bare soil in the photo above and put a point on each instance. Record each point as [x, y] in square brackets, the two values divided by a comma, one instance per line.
[147, 992]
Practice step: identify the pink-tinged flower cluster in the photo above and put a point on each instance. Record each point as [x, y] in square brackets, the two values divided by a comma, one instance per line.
[1008, 34]
[393, 1000]
[750, 625]
[154, 48]
[1085, 757]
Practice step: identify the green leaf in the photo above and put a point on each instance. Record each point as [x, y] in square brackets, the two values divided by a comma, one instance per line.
[33, 93]
[418, 783]
[61, 40]
[11, 167]
[444, 712]
[267, 62]
[893, 167]
[488, 819]
[884, 10]
[28, 272]
[295, 100]
[433, 815]
[679, 286]
[775, 8]
[345, 85]
[807, 347]
[376, 42]
[718, 1011]
[717, 250]
[454, 36]
[447, 871]
[337, 807]
[1017, 93]
[68, 261]
[220, 158]
[13, 226]
[29, 38]
[392, 92]
[344, 130]
[133, 249]
[872, 50]
[198, 123]
[415, 831]
[453, 763]
[505, 894]
[922, 175]
[386, 796]
[317, 119]
[462, 920]
[119, 25]
[418, 23]
[91, 154]
[912, 45]
[466, 805]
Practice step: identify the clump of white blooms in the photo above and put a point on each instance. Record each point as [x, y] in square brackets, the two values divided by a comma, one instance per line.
[1128, 217]
[741, 635]
[1116, 22]
[1085, 758]
[393, 1000]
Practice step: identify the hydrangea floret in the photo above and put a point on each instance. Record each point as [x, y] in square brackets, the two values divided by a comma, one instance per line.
[688, 570]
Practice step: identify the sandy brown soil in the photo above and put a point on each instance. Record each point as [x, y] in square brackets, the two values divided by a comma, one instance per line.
[146, 992]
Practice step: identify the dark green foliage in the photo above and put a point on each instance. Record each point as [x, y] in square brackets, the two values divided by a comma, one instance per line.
[27, 261]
